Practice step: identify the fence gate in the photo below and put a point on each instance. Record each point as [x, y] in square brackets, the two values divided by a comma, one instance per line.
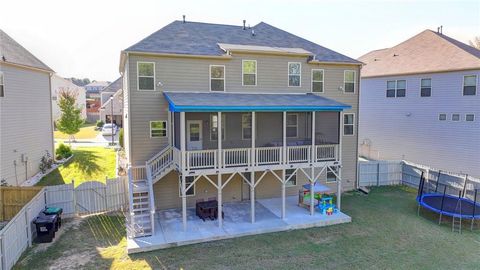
[90, 197]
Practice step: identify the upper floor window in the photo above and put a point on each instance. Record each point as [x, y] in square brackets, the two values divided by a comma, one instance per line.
[317, 80]
[246, 126]
[396, 88]
[426, 87]
[442, 117]
[294, 74]
[455, 117]
[349, 81]
[217, 78]
[290, 173]
[470, 117]
[249, 71]
[214, 127]
[348, 124]
[2, 85]
[158, 129]
[146, 76]
[292, 125]
[470, 85]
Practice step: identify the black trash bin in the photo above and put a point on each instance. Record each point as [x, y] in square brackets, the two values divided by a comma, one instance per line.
[45, 225]
[55, 211]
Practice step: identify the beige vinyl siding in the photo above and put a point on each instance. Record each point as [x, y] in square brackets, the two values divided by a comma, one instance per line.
[192, 74]
[25, 122]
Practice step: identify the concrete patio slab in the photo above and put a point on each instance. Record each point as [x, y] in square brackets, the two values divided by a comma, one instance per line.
[237, 222]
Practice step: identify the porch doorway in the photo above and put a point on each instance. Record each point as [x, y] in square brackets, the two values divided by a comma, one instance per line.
[194, 135]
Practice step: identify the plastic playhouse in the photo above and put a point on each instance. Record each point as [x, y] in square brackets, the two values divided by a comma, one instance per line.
[326, 206]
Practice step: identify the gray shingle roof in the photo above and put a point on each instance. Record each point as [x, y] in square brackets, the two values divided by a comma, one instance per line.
[195, 101]
[114, 86]
[196, 38]
[12, 52]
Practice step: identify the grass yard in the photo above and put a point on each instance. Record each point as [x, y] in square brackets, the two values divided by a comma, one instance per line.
[88, 163]
[87, 131]
[386, 233]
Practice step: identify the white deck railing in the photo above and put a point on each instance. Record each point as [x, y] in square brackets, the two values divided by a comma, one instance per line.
[242, 157]
[158, 163]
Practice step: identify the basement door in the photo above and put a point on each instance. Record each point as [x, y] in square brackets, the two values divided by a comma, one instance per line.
[194, 135]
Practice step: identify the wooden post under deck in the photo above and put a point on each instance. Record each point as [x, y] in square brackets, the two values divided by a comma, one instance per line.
[182, 151]
[284, 162]
[312, 159]
[252, 174]
[219, 176]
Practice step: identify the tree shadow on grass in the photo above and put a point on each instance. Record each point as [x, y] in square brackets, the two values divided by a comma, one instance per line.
[53, 178]
[86, 160]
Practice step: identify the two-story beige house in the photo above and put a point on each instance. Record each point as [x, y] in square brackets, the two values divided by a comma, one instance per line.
[25, 112]
[236, 115]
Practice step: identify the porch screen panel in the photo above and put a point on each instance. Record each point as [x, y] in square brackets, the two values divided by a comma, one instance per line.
[327, 128]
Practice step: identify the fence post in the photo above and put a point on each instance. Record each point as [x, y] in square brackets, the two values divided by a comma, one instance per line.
[106, 201]
[378, 173]
[74, 199]
[28, 227]
[2, 248]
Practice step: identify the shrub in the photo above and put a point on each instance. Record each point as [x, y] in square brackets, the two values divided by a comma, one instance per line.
[46, 162]
[63, 151]
[99, 123]
[120, 137]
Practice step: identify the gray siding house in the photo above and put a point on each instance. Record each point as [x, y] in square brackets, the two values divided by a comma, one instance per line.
[420, 102]
[285, 109]
[111, 99]
[25, 112]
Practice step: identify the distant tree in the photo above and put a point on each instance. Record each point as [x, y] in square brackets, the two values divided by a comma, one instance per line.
[80, 82]
[475, 42]
[70, 120]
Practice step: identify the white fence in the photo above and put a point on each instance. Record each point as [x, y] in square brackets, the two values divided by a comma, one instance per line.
[87, 198]
[380, 173]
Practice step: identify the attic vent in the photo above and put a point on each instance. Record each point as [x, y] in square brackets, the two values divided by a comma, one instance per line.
[183, 18]
[244, 21]
[440, 29]
[376, 59]
[395, 55]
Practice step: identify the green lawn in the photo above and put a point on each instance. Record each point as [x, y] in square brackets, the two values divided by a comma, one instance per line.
[88, 163]
[87, 131]
[386, 233]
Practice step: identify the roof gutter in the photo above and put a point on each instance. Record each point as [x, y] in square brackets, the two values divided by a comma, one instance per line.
[225, 56]
[28, 67]
[420, 72]
[335, 63]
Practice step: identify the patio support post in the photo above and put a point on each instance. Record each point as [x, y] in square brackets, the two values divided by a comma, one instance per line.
[339, 193]
[252, 173]
[219, 176]
[312, 159]
[284, 161]
[169, 126]
[283, 193]
[172, 125]
[182, 151]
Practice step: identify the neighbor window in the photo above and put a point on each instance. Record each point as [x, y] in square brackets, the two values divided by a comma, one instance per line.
[349, 81]
[249, 71]
[292, 125]
[188, 181]
[331, 177]
[214, 127]
[426, 87]
[470, 85]
[470, 117]
[396, 88]
[2, 85]
[317, 80]
[293, 179]
[246, 126]
[158, 129]
[455, 117]
[217, 78]
[294, 74]
[348, 124]
[146, 76]
[442, 117]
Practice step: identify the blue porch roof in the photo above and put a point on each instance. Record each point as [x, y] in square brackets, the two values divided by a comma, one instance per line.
[236, 102]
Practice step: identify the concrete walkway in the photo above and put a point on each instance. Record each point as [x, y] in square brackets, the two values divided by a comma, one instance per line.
[169, 228]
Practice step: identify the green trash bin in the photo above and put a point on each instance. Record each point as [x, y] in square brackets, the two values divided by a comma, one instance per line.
[55, 211]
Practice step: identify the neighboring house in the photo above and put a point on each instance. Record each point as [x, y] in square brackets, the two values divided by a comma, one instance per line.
[93, 91]
[112, 92]
[420, 102]
[60, 84]
[94, 88]
[26, 129]
[266, 86]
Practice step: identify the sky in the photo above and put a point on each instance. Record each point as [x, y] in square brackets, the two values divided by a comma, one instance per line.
[84, 38]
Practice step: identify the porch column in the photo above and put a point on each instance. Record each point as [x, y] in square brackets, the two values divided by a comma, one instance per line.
[183, 171]
[284, 162]
[339, 170]
[312, 160]
[219, 175]
[339, 193]
[252, 173]
[169, 126]
[172, 125]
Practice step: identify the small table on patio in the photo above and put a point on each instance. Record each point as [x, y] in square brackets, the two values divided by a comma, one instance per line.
[318, 189]
[207, 209]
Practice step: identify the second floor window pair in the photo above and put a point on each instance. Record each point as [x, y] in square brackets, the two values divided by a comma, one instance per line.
[397, 88]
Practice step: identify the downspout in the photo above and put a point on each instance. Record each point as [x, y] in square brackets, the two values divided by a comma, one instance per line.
[51, 113]
[357, 181]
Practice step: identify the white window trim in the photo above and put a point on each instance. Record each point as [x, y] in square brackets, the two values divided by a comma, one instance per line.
[322, 81]
[256, 71]
[343, 125]
[470, 114]
[241, 125]
[326, 176]
[166, 129]
[224, 128]
[459, 117]
[476, 84]
[224, 78]
[354, 81]
[3, 82]
[431, 87]
[446, 117]
[396, 88]
[288, 75]
[289, 183]
[296, 125]
[186, 186]
[154, 76]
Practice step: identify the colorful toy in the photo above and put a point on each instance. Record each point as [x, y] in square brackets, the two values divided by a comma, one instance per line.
[326, 206]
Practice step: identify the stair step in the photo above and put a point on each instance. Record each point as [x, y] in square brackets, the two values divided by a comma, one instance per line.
[141, 209]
